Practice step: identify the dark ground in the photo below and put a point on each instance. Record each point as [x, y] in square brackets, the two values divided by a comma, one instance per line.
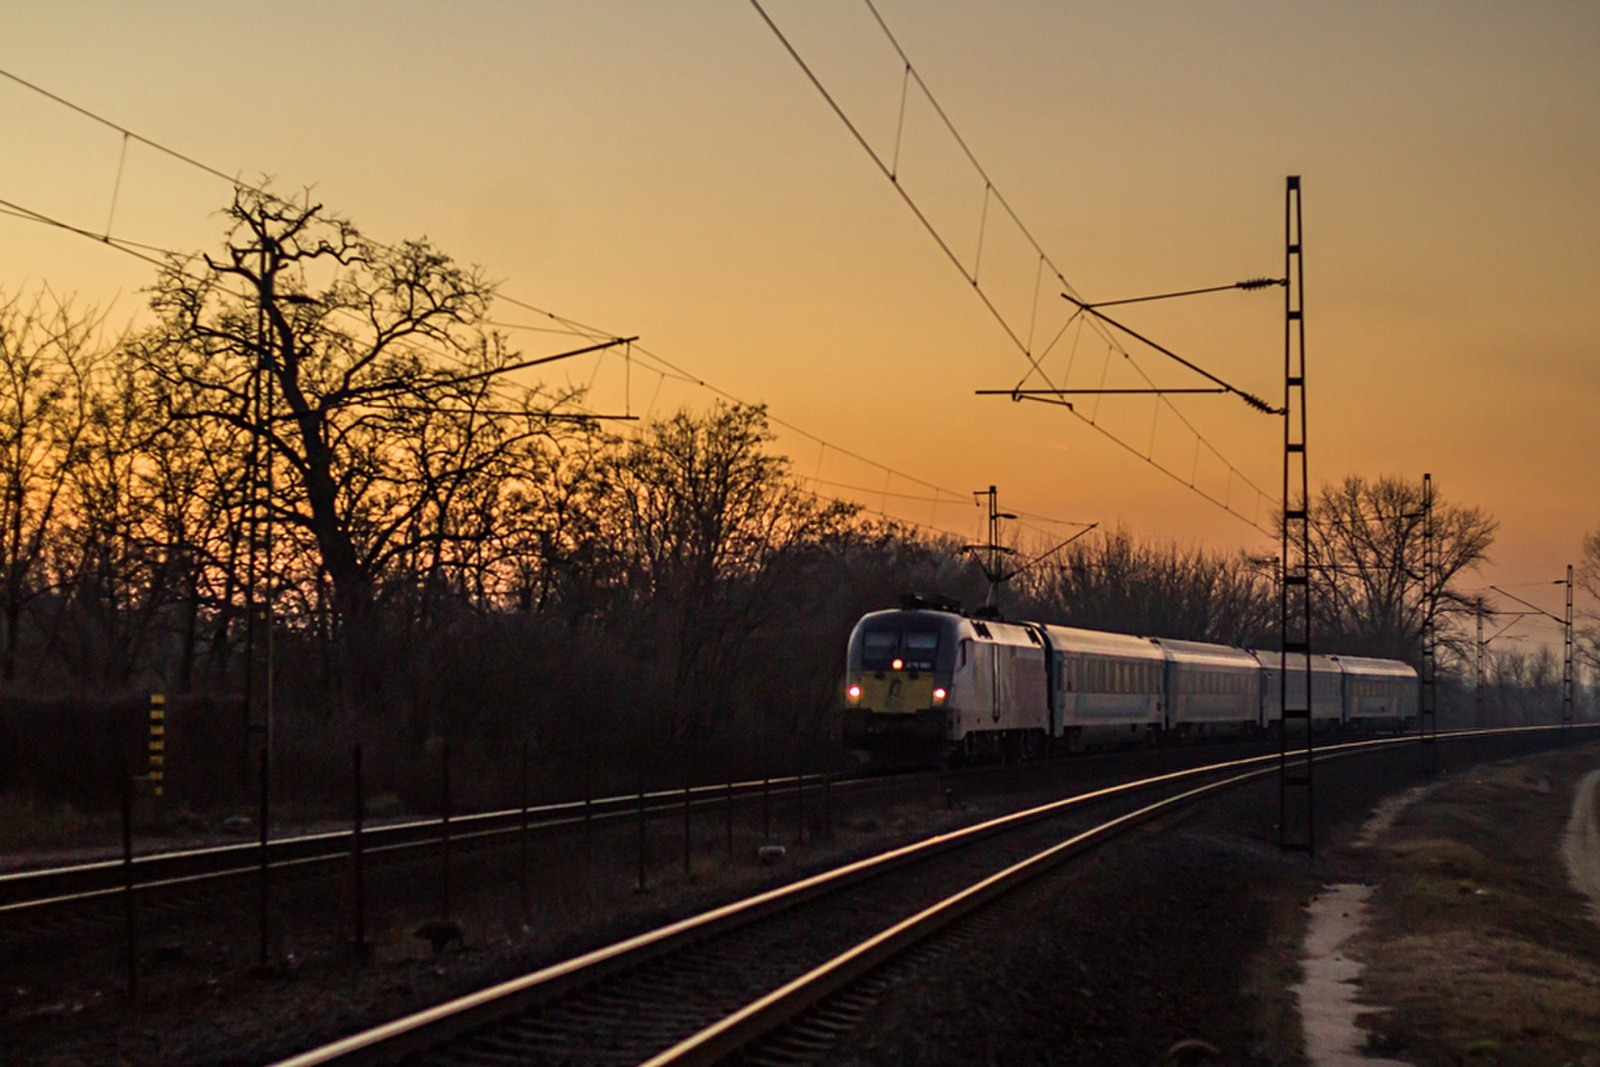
[1184, 931]
[1187, 930]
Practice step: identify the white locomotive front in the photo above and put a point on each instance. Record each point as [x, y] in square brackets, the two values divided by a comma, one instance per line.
[925, 685]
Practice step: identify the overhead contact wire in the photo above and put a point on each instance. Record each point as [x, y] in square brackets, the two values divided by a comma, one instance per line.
[571, 326]
[1068, 290]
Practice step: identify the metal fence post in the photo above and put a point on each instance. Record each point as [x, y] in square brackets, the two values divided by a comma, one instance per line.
[444, 829]
[522, 874]
[688, 840]
[129, 917]
[357, 876]
[799, 808]
[588, 813]
[642, 861]
[264, 874]
[827, 805]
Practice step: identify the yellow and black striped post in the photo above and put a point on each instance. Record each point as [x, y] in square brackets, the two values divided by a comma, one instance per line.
[158, 741]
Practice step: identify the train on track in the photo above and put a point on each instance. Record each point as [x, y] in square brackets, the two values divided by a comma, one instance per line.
[930, 684]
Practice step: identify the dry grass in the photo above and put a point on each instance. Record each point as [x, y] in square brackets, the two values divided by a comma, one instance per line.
[1479, 948]
[29, 824]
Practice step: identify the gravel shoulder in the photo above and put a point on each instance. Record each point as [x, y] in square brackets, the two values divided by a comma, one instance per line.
[1182, 943]
[202, 1001]
[1179, 938]
[1176, 944]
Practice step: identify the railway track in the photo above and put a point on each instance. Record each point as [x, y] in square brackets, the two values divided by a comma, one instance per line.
[24, 892]
[771, 977]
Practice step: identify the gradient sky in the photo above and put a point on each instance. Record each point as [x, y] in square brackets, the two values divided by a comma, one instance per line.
[664, 169]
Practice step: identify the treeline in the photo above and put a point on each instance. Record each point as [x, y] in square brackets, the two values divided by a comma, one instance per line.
[308, 486]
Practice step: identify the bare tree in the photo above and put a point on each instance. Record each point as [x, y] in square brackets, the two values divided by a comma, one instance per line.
[48, 352]
[1111, 581]
[704, 519]
[365, 375]
[1587, 576]
[1367, 564]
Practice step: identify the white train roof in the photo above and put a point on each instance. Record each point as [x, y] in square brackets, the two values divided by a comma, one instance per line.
[1185, 653]
[1072, 639]
[1271, 659]
[1369, 665]
[1205, 654]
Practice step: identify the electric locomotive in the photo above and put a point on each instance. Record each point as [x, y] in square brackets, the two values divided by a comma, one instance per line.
[924, 685]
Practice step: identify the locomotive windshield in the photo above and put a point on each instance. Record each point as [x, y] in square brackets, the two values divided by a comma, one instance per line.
[916, 650]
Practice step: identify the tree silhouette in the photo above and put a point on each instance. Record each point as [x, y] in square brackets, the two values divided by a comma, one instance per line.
[1367, 564]
[363, 378]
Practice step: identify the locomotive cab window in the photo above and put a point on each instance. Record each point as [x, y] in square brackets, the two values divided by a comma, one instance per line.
[916, 650]
[919, 648]
[877, 650]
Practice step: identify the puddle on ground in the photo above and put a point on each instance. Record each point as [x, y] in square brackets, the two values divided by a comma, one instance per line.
[1580, 843]
[1327, 993]
[1384, 815]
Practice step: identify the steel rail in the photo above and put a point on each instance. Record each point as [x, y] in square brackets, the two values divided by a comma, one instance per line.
[768, 1013]
[416, 1033]
[27, 890]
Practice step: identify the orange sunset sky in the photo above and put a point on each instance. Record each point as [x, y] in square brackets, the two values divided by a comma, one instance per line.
[666, 170]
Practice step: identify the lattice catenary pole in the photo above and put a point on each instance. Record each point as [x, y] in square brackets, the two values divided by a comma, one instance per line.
[1295, 793]
[1428, 695]
[1567, 678]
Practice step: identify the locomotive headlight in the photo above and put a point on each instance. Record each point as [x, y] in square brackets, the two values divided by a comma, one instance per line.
[854, 693]
[898, 664]
[939, 694]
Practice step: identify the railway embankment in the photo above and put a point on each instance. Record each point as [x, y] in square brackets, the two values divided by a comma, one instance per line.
[1188, 941]
[1479, 947]
[1179, 942]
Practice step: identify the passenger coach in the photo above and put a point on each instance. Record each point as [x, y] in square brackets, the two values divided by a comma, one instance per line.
[928, 684]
